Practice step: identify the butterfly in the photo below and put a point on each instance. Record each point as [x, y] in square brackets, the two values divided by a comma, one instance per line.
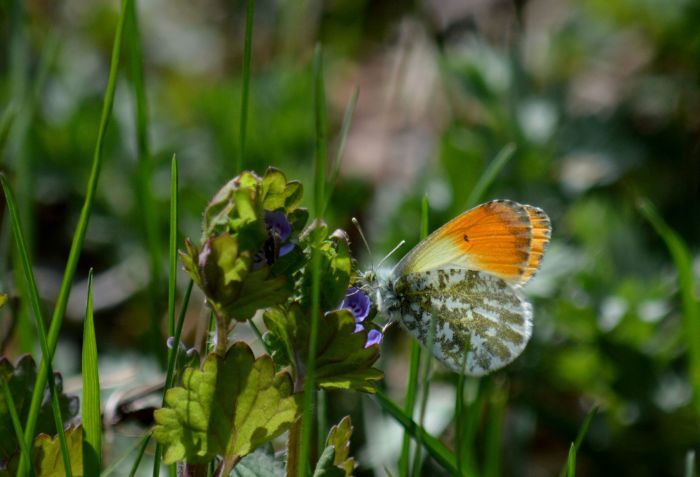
[458, 291]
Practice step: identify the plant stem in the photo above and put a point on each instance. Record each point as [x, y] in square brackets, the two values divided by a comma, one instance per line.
[293, 442]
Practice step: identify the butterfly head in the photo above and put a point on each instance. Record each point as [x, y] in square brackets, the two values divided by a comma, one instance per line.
[379, 285]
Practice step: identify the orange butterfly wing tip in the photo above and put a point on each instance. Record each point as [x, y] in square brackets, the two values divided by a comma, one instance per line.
[541, 233]
[501, 237]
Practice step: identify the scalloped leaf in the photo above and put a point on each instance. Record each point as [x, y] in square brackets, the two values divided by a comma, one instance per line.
[21, 378]
[47, 460]
[339, 439]
[325, 466]
[223, 271]
[234, 206]
[231, 406]
[342, 361]
[277, 193]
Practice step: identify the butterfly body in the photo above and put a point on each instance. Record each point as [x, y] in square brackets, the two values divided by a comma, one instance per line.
[458, 291]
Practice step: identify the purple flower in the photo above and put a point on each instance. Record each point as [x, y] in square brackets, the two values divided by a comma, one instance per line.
[279, 230]
[357, 302]
[278, 225]
[373, 337]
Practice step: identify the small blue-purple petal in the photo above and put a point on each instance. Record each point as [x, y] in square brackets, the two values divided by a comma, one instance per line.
[357, 302]
[373, 337]
[358, 328]
[277, 223]
[286, 248]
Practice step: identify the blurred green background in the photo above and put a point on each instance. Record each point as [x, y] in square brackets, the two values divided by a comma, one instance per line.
[599, 98]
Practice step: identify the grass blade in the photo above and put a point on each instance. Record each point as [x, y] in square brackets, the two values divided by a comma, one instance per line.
[435, 448]
[144, 176]
[344, 128]
[247, 54]
[92, 421]
[79, 236]
[410, 403]
[318, 197]
[425, 390]
[117, 463]
[175, 329]
[6, 122]
[683, 261]
[33, 299]
[580, 436]
[494, 430]
[172, 359]
[172, 253]
[139, 456]
[571, 461]
[490, 174]
[16, 424]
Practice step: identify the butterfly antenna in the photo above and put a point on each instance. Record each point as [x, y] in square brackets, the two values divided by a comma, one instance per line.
[362, 235]
[401, 243]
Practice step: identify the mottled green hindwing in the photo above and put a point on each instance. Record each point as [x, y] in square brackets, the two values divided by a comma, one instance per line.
[473, 311]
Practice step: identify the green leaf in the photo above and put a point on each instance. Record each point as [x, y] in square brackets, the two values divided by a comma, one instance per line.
[46, 455]
[336, 267]
[325, 466]
[261, 463]
[231, 406]
[274, 184]
[224, 274]
[339, 439]
[3, 299]
[278, 194]
[342, 361]
[298, 219]
[21, 379]
[234, 206]
[294, 193]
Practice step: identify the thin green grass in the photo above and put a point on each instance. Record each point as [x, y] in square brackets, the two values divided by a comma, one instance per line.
[24, 171]
[490, 174]
[571, 461]
[579, 437]
[175, 329]
[467, 421]
[414, 367]
[318, 201]
[118, 462]
[683, 261]
[139, 456]
[494, 431]
[144, 177]
[172, 252]
[6, 122]
[245, 91]
[425, 390]
[435, 448]
[33, 298]
[16, 424]
[78, 237]
[92, 420]
[344, 129]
